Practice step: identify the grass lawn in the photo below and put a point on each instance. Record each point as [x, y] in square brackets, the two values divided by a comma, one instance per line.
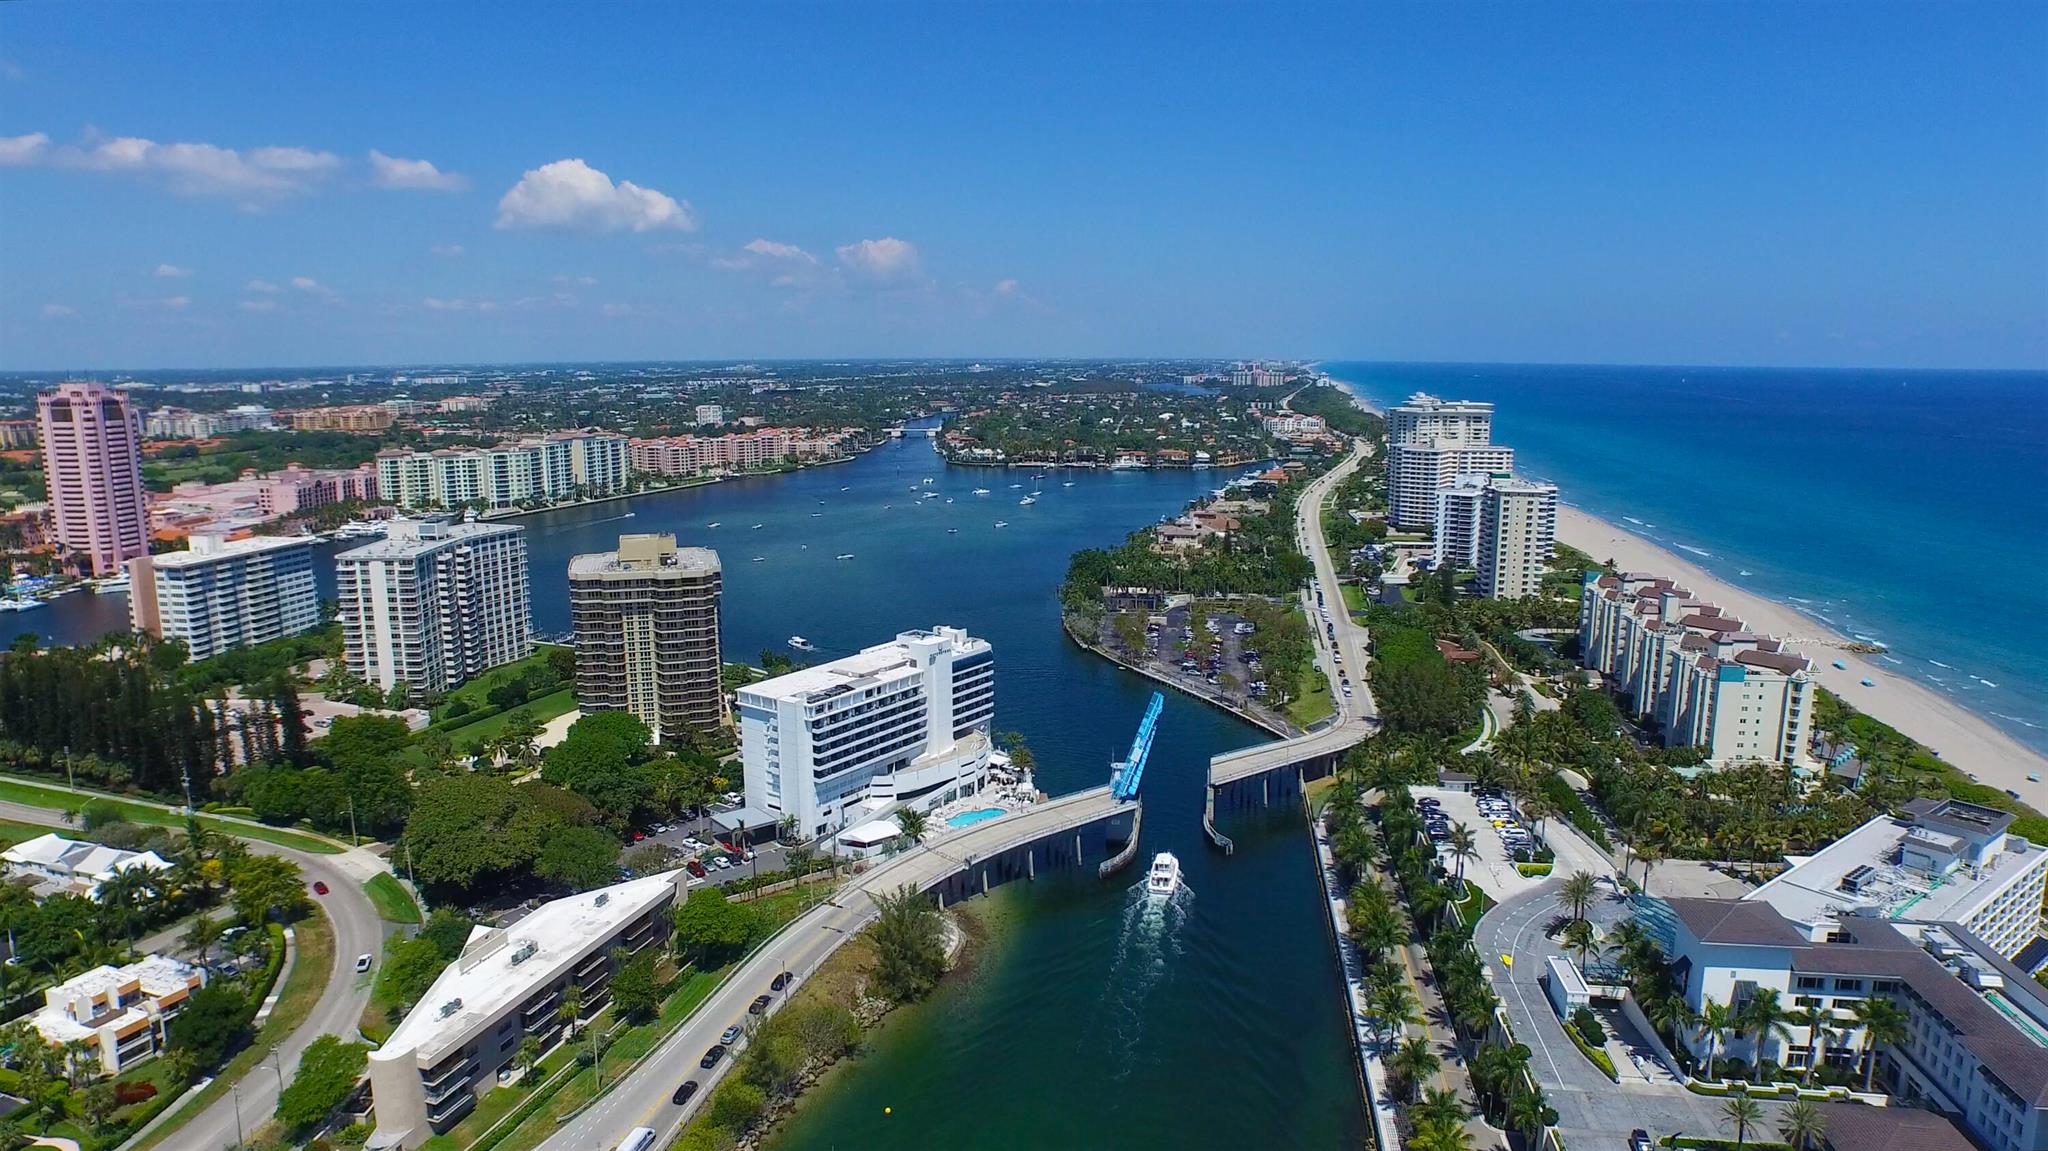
[16, 790]
[313, 940]
[477, 691]
[1475, 904]
[1354, 596]
[543, 709]
[12, 833]
[394, 903]
[1313, 702]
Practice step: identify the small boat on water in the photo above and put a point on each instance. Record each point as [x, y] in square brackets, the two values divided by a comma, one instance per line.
[758, 527]
[111, 583]
[952, 531]
[1027, 501]
[758, 559]
[981, 491]
[817, 515]
[20, 603]
[712, 524]
[1068, 484]
[1016, 485]
[801, 644]
[357, 529]
[1002, 523]
[843, 556]
[1163, 879]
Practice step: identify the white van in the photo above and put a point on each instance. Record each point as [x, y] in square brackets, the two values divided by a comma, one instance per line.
[640, 1139]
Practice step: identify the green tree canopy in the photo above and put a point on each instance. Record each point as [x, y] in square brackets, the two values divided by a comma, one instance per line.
[327, 1073]
[578, 858]
[710, 928]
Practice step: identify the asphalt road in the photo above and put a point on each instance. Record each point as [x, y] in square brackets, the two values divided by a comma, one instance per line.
[1353, 641]
[357, 930]
[643, 1098]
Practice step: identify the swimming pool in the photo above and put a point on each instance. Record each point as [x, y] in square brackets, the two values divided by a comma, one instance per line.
[970, 818]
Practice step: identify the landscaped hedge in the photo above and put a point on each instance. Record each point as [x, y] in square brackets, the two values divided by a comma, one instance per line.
[1574, 809]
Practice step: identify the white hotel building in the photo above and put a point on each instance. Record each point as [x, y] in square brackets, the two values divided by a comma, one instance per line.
[1430, 443]
[901, 724]
[220, 594]
[432, 605]
[1702, 677]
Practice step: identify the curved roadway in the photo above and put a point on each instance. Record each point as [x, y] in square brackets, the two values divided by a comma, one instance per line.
[358, 930]
[1357, 716]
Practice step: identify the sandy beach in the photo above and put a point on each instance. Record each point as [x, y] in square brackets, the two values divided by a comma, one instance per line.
[1958, 734]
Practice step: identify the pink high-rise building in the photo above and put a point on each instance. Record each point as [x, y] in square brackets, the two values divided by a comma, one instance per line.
[92, 462]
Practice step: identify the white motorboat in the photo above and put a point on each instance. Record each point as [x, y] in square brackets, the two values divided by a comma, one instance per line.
[801, 644]
[111, 583]
[357, 529]
[712, 524]
[1002, 523]
[981, 491]
[1164, 877]
[1027, 501]
[844, 556]
[20, 603]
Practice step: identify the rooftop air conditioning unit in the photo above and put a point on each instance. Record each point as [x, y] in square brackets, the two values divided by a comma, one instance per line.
[451, 1007]
[524, 951]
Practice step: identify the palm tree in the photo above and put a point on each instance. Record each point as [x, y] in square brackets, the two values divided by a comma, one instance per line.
[1803, 1124]
[204, 932]
[570, 1009]
[1412, 1062]
[1439, 1106]
[1714, 1021]
[1577, 894]
[1580, 940]
[529, 1053]
[1882, 1022]
[912, 822]
[1434, 1136]
[1742, 1112]
[1526, 1112]
[1393, 1006]
[1820, 1024]
[1649, 856]
[1763, 1016]
[1464, 845]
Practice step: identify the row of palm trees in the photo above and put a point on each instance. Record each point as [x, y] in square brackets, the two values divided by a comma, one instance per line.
[1802, 1124]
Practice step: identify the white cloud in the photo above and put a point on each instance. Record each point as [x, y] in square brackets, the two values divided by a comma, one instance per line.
[886, 260]
[172, 272]
[436, 304]
[264, 286]
[776, 251]
[617, 309]
[313, 287]
[1006, 287]
[59, 312]
[259, 305]
[201, 169]
[412, 175]
[576, 281]
[21, 150]
[446, 249]
[571, 194]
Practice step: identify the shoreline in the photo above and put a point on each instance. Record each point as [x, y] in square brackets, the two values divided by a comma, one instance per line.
[692, 482]
[1962, 738]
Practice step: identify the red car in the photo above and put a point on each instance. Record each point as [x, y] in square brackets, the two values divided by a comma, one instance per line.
[319, 888]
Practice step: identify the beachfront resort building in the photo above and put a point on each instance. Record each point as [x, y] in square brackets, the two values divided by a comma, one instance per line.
[557, 466]
[220, 594]
[901, 724]
[1703, 678]
[92, 467]
[508, 984]
[54, 865]
[1501, 527]
[1975, 1045]
[1430, 443]
[1939, 860]
[433, 605]
[118, 1013]
[645, 618]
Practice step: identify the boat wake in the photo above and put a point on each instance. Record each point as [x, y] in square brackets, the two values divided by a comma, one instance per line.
[1146, 948]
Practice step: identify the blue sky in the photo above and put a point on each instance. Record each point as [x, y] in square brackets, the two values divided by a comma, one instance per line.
[1812, 184]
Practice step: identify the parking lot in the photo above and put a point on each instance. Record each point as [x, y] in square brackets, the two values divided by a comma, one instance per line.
[696, 839]
[1500, 836]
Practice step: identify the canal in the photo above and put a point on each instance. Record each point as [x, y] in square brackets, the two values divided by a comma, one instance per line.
[1087, 1022]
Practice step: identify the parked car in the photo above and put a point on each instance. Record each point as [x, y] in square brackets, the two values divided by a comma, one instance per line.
[683, 1093]
[712, 1056]
[781, 981]
[319, 888]
[759, 1005]
[731, 1036]
[1639, 1140]
[696, 869]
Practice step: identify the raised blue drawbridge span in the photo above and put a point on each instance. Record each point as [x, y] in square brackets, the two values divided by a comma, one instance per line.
[1128, 772]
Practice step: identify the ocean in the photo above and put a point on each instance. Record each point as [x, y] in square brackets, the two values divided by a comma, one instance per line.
[1905, 507]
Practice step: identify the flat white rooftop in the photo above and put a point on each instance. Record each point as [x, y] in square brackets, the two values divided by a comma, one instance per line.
[498, 970]
[1811, 890]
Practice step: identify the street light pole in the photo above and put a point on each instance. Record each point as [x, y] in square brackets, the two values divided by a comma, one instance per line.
[236, 1091]
[277, 1065]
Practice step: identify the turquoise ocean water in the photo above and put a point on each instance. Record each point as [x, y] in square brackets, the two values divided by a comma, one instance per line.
[1908, 507]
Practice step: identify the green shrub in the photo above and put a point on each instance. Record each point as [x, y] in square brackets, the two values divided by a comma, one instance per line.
[1589, 1026]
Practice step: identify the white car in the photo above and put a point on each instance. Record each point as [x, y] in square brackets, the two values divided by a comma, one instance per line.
[363, 962]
